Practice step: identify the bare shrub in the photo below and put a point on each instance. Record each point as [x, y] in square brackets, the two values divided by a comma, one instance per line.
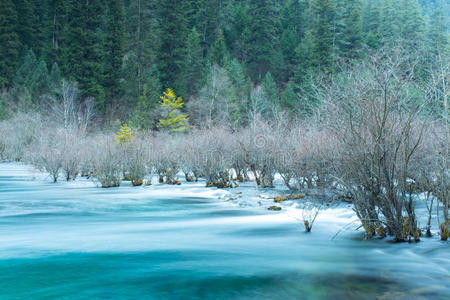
[48, 154]
[19, 134]
[136, 156]
[107, 161]
[377, 123]
[258, 142]
[165, 158]
[215, 156]
[310, 211]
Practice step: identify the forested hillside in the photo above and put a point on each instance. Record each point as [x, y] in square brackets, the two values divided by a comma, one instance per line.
[248, 56]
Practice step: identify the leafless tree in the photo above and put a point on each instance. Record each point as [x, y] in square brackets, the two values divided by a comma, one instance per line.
[379, 127]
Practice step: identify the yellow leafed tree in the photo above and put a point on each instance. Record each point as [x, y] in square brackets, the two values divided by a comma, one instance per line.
[173, 119]
[124, 135]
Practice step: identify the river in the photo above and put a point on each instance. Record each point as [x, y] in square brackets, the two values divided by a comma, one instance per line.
[77, 241]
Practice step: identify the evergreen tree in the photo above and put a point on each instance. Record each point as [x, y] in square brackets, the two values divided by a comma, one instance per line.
[144, 116]
[142, 44]
[25, 26]
[55, 77]
[303, 56]
[239, 33]
[195, 62]
[242, 88]
[114, 49]
[40, 81]
[437, 32]
[324, 12]
[57, 30]
[263, 43]
[411, 23]
[270, 90]
[23, 74]
[84, 52]
[172, 51]
[352, 39]
[10, 44]
[289, 99]
[219, 50]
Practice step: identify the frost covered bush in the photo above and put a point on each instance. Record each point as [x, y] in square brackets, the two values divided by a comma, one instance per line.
[48, 153]
[107, 161]
[190, 157]
[136, 157]
[69, 145]
[214, 156]
[258, 145]
[18, 134]
[379, 128]
[165, 158]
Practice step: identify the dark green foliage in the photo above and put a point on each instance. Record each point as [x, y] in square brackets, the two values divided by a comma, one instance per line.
[289, 99]
[10, 44]
[172, 51]
[195, 62]
[323, 12]
[142, 45]
[33, 78]
[352, 39]
[263, 40]
[114, 50]
[84, 52]
[271, 91]
[57, 27]
[219, 50]
[144, 116]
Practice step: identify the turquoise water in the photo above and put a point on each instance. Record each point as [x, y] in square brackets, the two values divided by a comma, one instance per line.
[76, 241]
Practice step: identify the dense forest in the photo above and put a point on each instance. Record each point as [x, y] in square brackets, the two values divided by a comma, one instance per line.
[248, 56]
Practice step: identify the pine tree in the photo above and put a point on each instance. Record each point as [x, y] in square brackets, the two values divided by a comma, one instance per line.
[324, 12]
[263, 43]
[23, 74]
[304, 61]
[114, 49]
[270, 90]
[172, 51]
[40, 81]
[57, 30]
[437, 32]
[83, 52]
[411, 23]
[25, 27]
[352, 38]
[10, 44]
[289, 99]
[219, 50]
[242, 87]
[195, 62]
[142, 44]
[173, 119]
[144, 117]
[239, 33]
